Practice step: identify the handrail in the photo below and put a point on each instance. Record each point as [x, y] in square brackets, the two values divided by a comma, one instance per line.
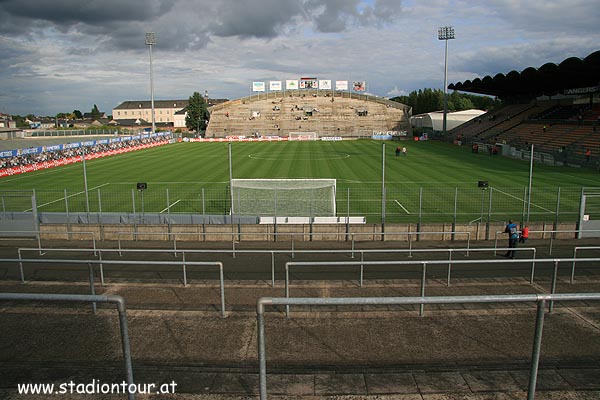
[424, 264]
[578, 231]
[38, 235]
[539, 299]
[575, 257]
[273, 252]
[183, 264]
[291, 234]
[120, 301]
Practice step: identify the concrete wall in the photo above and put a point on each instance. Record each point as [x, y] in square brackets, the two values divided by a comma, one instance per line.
[299, 233]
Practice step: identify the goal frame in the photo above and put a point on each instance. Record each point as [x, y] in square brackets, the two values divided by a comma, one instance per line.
[277, 194]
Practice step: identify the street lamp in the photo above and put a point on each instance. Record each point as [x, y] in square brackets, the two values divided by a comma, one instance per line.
[445, 33]
[150, 41]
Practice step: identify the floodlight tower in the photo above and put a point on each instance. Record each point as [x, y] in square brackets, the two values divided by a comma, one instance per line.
[151, 41]
[445, 33]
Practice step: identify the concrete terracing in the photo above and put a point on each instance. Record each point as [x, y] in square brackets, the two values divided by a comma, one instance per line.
[323, 112]
[477, 351]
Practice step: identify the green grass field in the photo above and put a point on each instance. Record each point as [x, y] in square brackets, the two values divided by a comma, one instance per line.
[434, 182]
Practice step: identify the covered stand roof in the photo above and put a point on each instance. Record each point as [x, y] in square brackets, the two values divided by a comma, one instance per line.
[548, 80]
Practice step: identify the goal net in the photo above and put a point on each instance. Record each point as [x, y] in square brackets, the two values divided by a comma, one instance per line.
[284, 197]
[303, 136]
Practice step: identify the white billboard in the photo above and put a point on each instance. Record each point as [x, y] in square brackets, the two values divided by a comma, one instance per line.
[258, 86]
[325, 84]
[291, 84]
[274, 85]
[341, 85]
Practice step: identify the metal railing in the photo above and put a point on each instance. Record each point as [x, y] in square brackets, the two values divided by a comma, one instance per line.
[38, 235]
[183, 252]
[539, 299]
[118, 300]
[424, 264]
[544, 232]
[575, 258]
[239, 235]
[183, 264]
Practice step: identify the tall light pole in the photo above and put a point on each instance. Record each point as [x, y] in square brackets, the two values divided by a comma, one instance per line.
[445, 33]
[150, 41]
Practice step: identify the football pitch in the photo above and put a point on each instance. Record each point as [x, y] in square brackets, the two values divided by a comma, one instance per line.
[434, 182]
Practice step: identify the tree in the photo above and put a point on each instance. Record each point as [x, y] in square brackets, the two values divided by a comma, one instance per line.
[197, 113]
[95, 112]
[429, 100]
[77, 114]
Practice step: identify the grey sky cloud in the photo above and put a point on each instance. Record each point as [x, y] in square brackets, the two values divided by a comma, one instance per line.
[61, 55]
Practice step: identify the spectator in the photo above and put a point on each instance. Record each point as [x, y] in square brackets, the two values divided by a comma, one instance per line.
[513, 237]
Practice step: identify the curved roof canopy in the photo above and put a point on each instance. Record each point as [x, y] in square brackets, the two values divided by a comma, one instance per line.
[549, 79]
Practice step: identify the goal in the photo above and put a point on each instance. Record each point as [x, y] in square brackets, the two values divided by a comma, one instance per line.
[303, 136]
[284, 197]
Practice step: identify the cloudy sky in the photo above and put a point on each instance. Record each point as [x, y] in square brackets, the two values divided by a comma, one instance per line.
[61, 55]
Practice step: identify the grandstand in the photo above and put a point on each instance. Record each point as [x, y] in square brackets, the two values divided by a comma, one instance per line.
[325, 112]
[555, 108]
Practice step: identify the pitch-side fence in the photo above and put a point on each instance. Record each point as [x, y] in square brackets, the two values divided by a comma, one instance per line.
[393, 205]
[539, 299]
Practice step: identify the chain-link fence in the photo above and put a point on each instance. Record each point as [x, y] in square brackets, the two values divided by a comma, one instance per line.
[401, 205]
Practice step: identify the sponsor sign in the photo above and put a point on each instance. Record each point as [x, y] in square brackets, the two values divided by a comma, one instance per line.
[275, 85]
[309, 83]
[359, 86]
[258, 86]
[325, 84]
[291, 84]
[341, 85]
[332, 139]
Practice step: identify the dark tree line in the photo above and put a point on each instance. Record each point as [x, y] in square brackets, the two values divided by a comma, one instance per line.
[429, 100]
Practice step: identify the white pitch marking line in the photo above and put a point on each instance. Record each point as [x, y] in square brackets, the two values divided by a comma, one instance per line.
[170, 206]
[523, 200]
[404, 208]
[72, 195]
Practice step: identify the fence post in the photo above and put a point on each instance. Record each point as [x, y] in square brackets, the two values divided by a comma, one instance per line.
[420, 212]
[537, 345]
[553, 288]
[557, 209]
[423, 277]
[100, 223]
[68, 219]
[489, 218]
[92, 289]
[454, 216]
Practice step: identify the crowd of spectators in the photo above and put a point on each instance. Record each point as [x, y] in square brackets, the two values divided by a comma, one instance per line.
[27, 159]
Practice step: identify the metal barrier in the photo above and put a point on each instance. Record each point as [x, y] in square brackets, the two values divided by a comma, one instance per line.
[575, 258]
[537, 298]
[39, 238]
[290, 234]
[273, 252]
[183, 264]
[93, 299]
[554, 232]
[424, 264]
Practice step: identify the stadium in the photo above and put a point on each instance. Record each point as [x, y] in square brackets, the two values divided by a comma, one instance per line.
[295, 251]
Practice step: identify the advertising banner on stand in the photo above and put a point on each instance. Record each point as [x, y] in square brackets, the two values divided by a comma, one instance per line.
[341, 85]
[291, 84]
[274, 85]
[325, 84]
[258, 86]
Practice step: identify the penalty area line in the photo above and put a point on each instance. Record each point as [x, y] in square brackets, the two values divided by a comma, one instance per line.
[401, 206]
[169, 206]
[71, 195]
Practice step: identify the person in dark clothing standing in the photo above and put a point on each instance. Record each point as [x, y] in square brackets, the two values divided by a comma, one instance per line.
[513, 238]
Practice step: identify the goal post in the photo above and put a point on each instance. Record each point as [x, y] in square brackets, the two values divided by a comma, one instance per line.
[284, 197]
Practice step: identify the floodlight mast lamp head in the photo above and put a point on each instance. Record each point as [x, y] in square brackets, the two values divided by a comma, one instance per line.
[445, 33]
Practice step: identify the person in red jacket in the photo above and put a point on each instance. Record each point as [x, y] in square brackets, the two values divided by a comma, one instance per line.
[524, 234]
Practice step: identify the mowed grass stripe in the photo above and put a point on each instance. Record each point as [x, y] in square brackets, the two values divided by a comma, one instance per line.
[428, 164]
